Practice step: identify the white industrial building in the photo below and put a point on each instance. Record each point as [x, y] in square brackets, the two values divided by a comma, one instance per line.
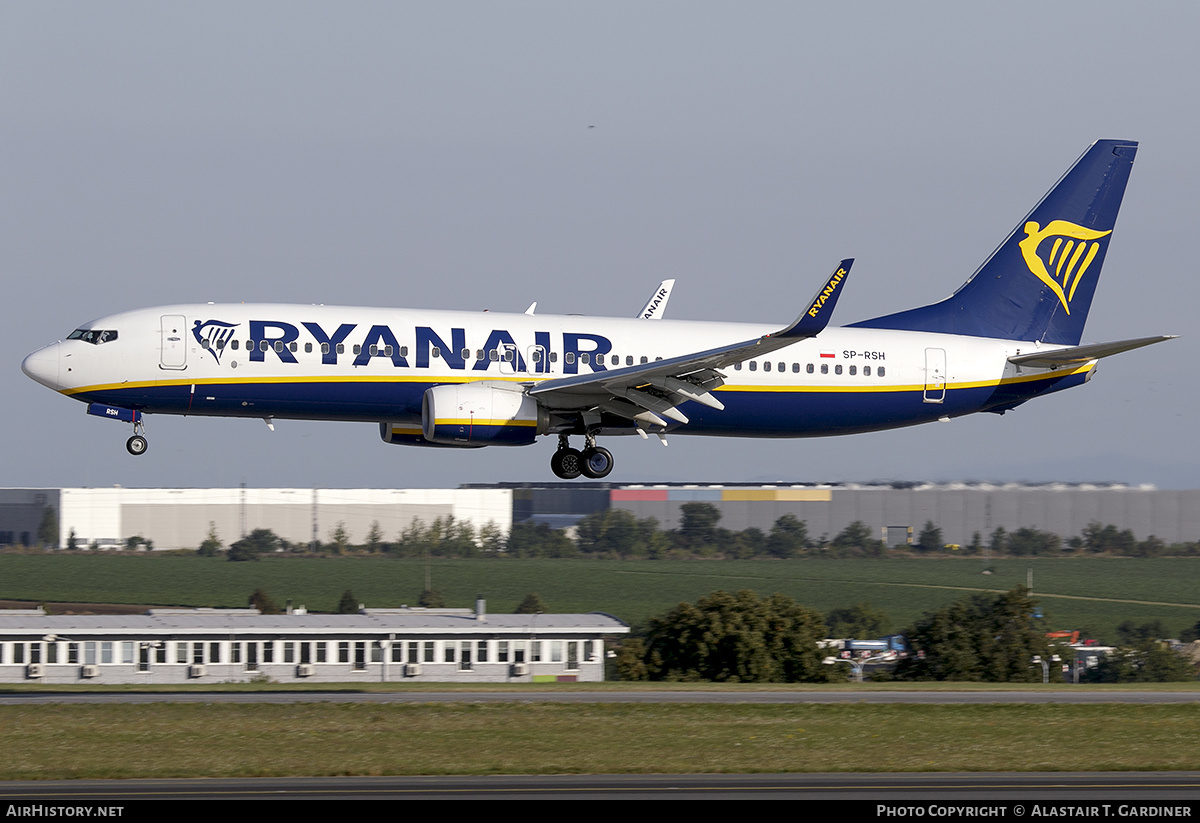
[181, 518]
[240, 645]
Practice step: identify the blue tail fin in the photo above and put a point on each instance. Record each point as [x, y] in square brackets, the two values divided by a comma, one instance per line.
[1038, 284]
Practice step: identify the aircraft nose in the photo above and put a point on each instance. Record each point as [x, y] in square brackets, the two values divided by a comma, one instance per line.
[42, 366]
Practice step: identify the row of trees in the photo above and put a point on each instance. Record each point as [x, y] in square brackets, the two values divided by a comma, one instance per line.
[618, 533]
[742, 637]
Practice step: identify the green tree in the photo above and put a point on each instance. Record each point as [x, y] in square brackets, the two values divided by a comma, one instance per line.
[211, 546]
[262, 601]
[1147, 662]
[978, 638]
[259, 541]
[861, 621]
[532, 604]
[374, 542]
[855, 539]
[538, 540]
[1130, 634]
[698, 525]
[47, 533]
[788, 537]
[737, 638]
[930, 538]
[1027, 541]
[72, 541]
[630, 663]
[347, 605]
[339, 538]
[431, 599]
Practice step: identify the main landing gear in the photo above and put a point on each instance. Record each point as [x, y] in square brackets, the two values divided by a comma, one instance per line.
[137, 444]
[593, 462]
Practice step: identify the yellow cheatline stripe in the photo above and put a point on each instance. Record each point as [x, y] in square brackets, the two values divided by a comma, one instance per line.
[467, 421]
[442, 379]
[916, 387]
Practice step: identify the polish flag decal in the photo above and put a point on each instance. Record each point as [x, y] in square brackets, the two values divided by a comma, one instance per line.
[828, 354]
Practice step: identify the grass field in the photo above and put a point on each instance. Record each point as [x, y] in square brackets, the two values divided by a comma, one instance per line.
[1091, 593]
[197, 740]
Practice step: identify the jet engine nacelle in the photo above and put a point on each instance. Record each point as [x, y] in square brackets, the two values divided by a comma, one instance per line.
[481, 414]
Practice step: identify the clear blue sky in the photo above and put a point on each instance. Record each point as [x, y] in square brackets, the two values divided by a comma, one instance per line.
[443, 155]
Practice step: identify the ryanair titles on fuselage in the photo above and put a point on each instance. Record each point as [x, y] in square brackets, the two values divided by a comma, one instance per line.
[274, 338]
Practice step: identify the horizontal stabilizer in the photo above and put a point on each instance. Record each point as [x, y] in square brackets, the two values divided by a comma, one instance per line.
[1081, 354]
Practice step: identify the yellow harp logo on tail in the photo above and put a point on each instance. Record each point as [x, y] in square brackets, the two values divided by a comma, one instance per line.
[1067, 258]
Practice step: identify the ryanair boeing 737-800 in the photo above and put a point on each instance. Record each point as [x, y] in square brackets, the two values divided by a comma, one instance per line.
[460, 379]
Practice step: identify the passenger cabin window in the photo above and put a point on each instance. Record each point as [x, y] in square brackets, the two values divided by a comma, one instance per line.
[867, 371]
[753, 365]
[853, 370]
[881, 371]
[837, 369]
[569, 357]
[824, 368]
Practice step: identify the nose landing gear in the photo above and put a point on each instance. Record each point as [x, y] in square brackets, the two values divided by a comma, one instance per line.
[137, 444]
[593, 462]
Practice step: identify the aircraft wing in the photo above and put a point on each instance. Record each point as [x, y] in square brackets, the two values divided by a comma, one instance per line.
[649, 392]
[1074, 355]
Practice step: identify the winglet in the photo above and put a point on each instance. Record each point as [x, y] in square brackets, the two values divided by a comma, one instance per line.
[816, 317]
[657, 304]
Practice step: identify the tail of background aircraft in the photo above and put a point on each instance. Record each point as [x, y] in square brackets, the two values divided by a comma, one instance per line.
[1038, 284]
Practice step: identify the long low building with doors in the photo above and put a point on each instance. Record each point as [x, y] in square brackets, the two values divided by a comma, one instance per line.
[241, 645]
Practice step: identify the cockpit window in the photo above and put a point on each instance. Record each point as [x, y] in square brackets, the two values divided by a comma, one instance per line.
[93, 336]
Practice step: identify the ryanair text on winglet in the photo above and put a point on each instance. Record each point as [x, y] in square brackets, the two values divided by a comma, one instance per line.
[827, 292]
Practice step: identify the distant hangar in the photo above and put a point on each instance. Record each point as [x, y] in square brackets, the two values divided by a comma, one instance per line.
[181, 518]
